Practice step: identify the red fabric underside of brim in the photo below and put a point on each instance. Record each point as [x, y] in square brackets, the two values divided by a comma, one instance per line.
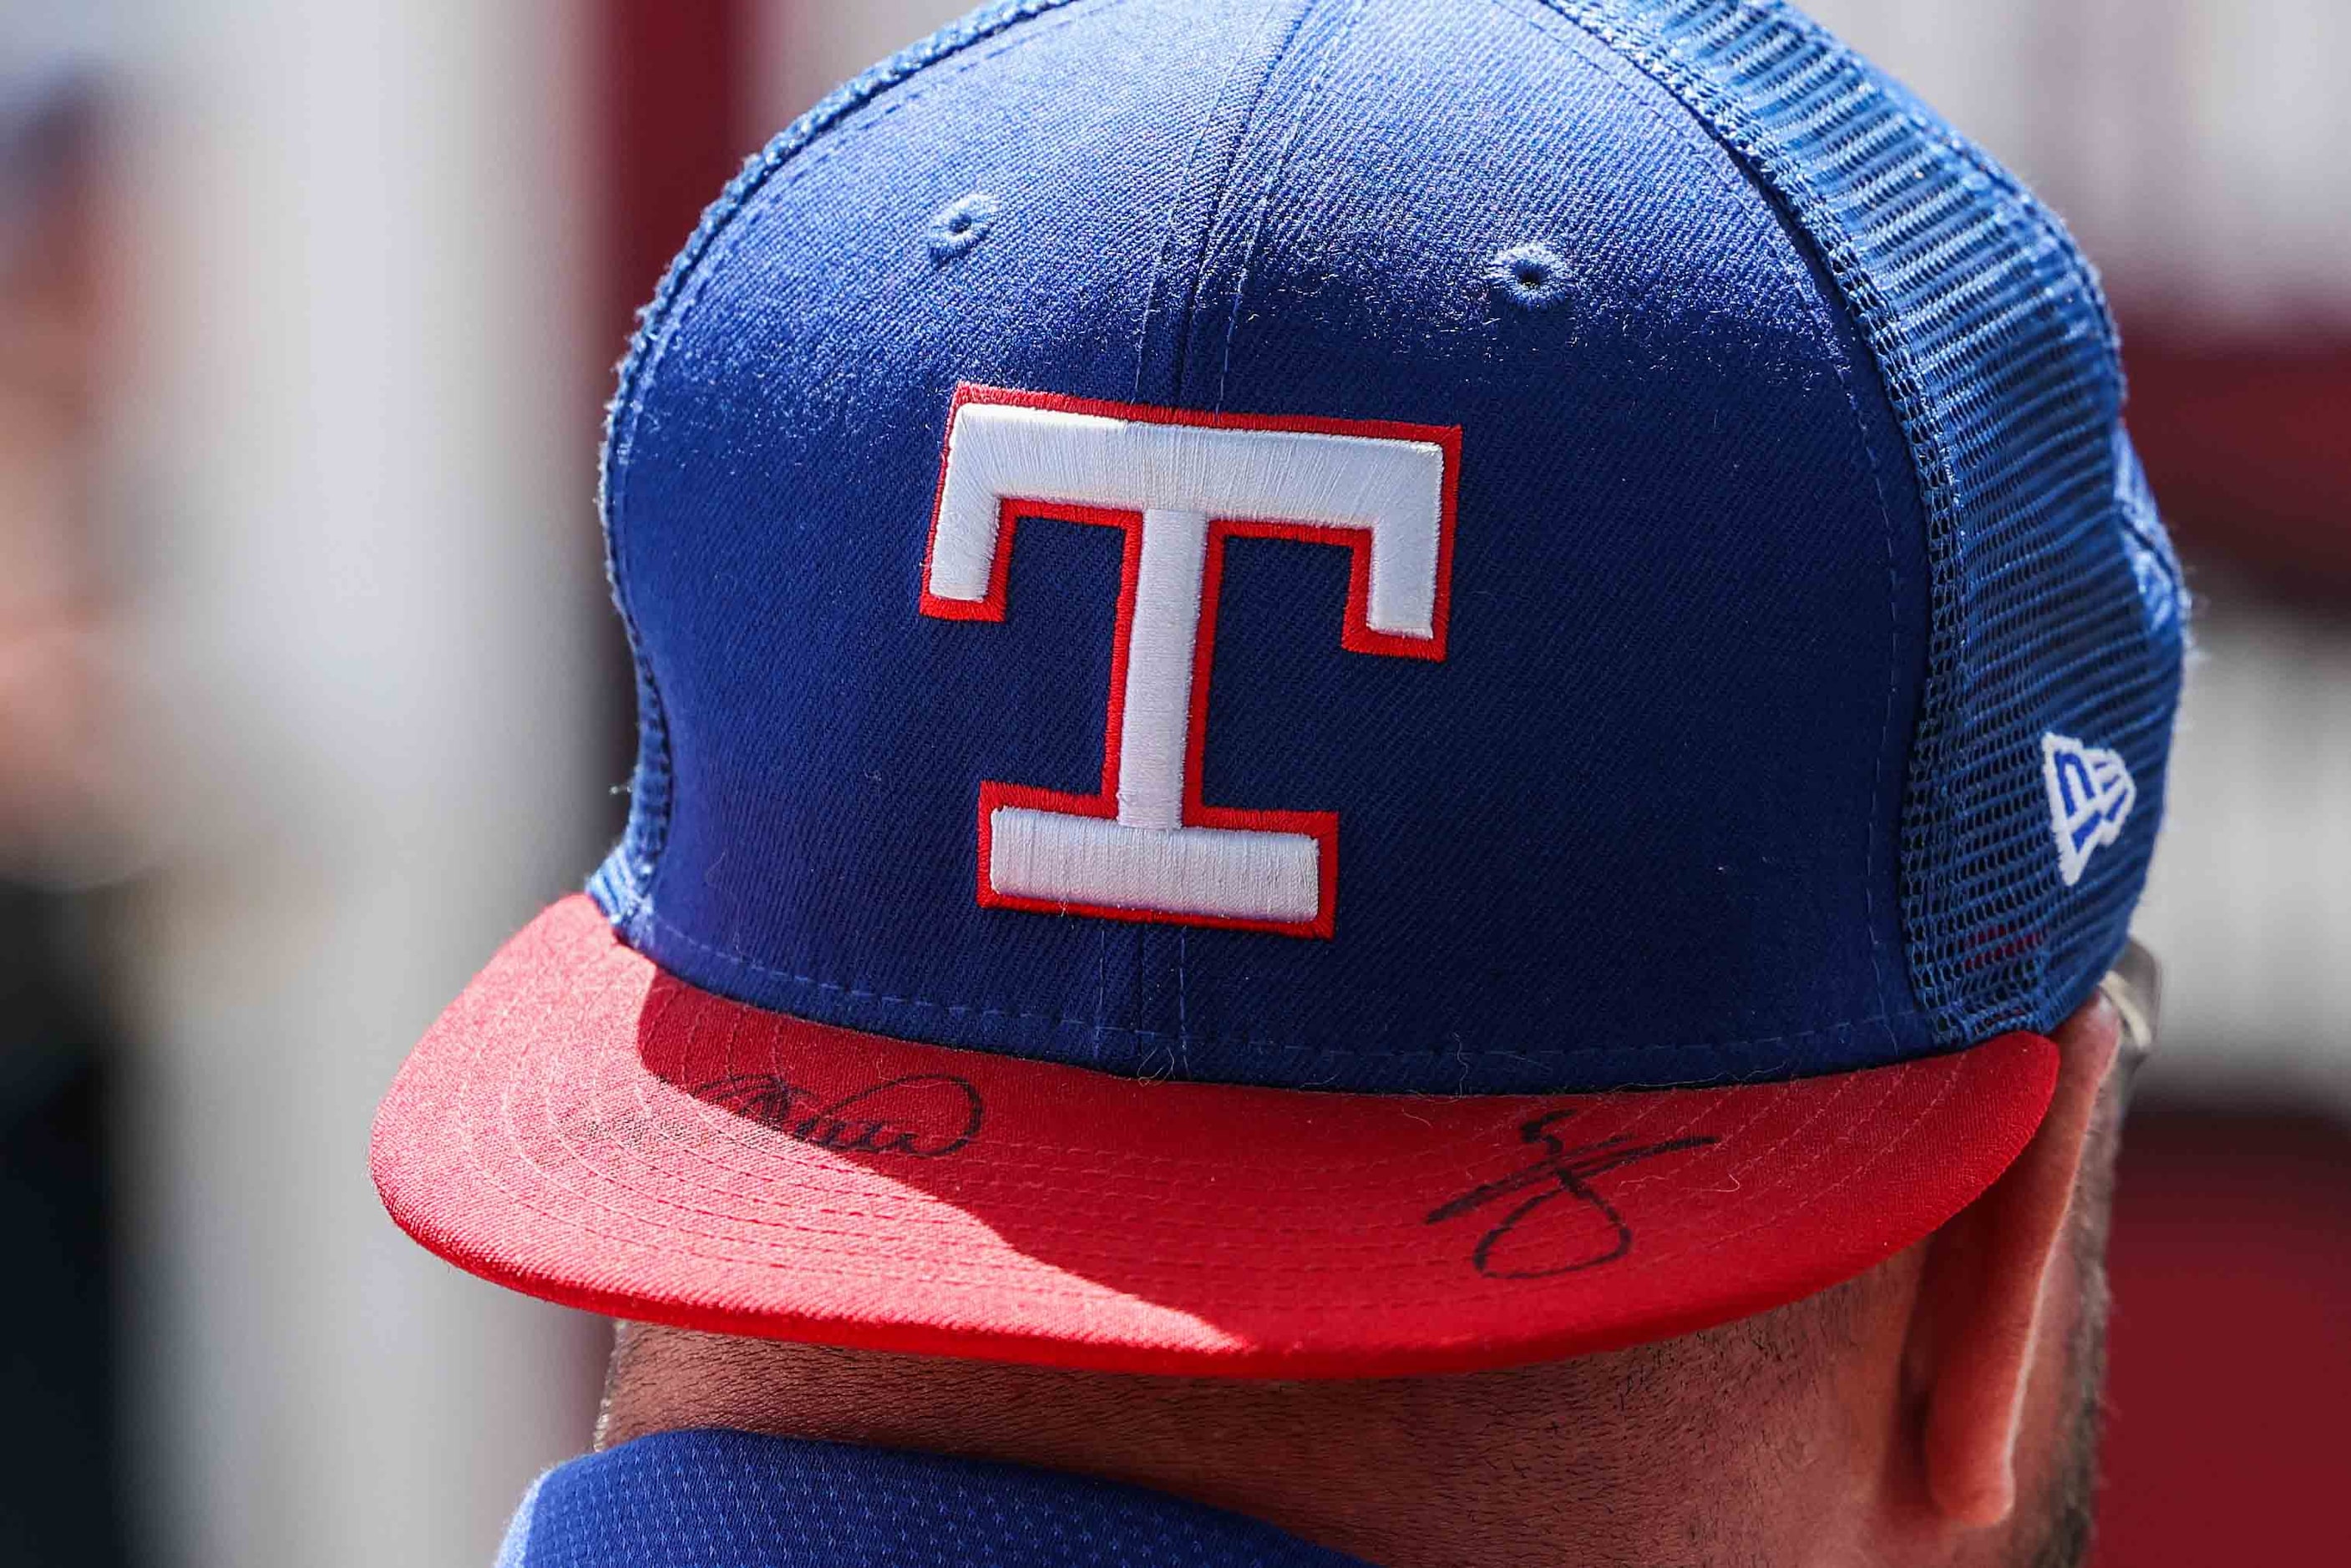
[584, 1128]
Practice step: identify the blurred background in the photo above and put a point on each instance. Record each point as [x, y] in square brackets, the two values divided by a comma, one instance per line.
[308, 696]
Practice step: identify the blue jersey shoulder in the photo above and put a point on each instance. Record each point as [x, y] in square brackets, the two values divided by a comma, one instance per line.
[735, 1499]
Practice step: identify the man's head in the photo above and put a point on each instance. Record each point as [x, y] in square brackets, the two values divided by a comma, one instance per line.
[1941, 1409]
[1350, 689]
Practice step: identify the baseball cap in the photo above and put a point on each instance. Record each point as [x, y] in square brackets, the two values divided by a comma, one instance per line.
[1329, 688]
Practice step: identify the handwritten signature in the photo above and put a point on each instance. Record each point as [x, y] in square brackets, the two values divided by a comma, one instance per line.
[1561, 1172]
[925, 1115]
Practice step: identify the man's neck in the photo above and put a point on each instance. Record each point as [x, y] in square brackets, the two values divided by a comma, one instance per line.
[1546, 1465]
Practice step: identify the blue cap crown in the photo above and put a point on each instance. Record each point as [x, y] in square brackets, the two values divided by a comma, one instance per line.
[1388, 545]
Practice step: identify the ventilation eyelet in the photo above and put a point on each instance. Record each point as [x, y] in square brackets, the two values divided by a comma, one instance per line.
[1532, 277]
[962, 224]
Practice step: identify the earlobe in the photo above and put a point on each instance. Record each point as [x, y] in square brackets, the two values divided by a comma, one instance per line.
[1978, 1326]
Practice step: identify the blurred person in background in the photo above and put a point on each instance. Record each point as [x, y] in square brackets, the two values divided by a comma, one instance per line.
[1671, 1123]
[61, 789]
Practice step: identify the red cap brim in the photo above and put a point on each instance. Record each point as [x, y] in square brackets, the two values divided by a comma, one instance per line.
[582, 1126]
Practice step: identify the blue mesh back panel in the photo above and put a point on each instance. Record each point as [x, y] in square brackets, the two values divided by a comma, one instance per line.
[2057, 604]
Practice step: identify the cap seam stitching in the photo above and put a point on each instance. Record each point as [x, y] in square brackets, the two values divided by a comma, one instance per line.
[1274, 175]
[680, 287]
[1186, 305]
[1888, 337]
[1735, 180]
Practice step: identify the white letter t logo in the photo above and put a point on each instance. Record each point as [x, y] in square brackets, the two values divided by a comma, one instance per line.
[1181, 483]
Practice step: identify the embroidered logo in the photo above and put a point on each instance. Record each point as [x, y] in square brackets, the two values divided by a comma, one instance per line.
[2090, 797]
[1179, 484]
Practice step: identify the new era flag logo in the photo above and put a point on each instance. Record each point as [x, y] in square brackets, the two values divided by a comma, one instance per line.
[2090, 798]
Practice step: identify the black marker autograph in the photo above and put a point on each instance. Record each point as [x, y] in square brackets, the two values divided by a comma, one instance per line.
[1561, 1172]
[926, 1116]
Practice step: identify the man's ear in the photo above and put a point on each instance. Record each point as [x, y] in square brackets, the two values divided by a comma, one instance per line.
[1977, 1326]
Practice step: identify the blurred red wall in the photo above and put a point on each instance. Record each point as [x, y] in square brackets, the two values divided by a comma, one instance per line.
[675, 78]
[2248, 447]
[2231, 1344]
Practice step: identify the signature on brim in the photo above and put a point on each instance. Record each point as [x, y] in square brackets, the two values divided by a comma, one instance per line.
[925, 1115]
[1562, 1173]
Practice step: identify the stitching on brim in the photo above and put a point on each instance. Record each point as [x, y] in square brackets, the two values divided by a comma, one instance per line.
[799, 1242]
